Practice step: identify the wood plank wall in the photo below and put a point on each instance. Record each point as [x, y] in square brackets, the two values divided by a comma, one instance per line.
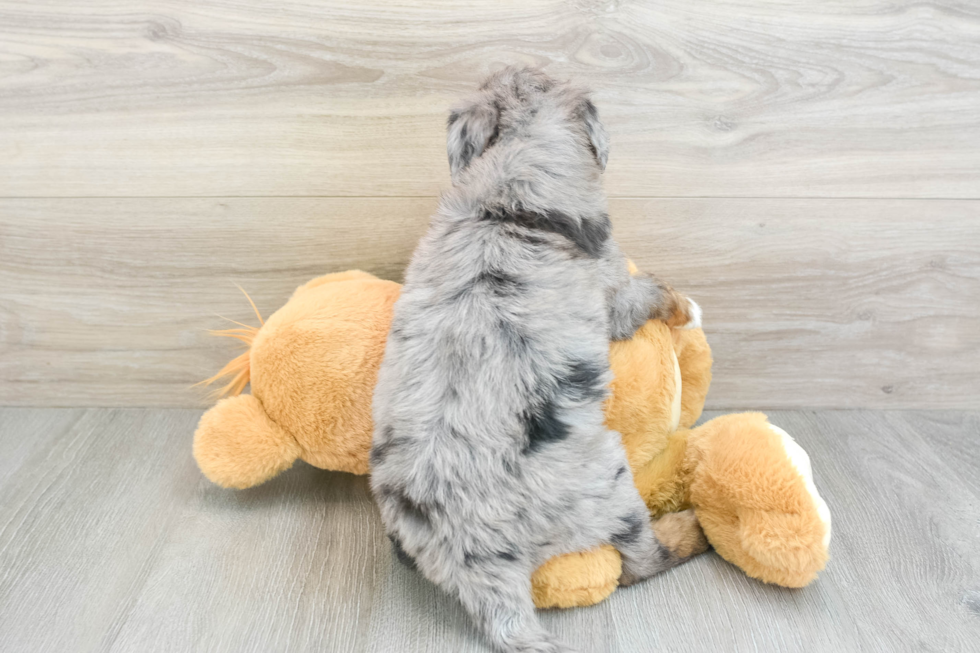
[809, 172]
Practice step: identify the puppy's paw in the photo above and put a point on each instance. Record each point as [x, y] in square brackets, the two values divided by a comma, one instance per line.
[694, 311]
[687, 315]
[681, 534]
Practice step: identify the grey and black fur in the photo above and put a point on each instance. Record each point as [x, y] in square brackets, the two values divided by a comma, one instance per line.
[490, 451]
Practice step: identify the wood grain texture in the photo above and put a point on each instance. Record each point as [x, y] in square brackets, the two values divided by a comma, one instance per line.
[869, 98]
[837, 303]
[107, 302]
[110, 540]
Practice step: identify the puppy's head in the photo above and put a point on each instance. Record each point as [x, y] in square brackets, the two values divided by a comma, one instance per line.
[520, 107]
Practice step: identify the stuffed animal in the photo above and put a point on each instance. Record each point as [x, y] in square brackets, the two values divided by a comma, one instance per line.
[313, 365]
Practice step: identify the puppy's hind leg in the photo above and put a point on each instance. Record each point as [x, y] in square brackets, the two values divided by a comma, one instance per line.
[646, 551]
[498, 597]
[649, 549]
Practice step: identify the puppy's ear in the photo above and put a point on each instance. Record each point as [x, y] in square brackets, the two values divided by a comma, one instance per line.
[596, 133]
[470, 129]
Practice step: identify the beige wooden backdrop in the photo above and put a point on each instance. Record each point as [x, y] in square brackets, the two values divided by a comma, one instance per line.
[810, 172]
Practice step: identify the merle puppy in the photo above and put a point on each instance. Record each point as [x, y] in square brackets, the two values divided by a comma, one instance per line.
[490, 452]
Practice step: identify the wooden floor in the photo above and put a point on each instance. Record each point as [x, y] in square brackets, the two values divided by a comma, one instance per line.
[110, 540]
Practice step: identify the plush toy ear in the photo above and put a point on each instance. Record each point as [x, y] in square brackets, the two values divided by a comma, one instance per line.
[596, 133]
[470, 129]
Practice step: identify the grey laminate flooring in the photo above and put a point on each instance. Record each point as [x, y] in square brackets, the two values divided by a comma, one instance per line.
[110, 540]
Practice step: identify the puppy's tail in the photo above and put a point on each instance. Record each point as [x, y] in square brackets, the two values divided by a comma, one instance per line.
[501, 605]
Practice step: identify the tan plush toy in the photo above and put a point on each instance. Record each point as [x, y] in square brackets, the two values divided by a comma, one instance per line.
[313, 365]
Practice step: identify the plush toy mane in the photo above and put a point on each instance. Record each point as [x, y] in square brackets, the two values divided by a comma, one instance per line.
[238, 368]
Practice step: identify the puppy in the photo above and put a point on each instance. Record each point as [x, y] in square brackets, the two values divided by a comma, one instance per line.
[490, 451]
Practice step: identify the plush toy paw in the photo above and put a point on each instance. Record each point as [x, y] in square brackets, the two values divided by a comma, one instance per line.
[577, 579]
[753, 492]
[237, 445]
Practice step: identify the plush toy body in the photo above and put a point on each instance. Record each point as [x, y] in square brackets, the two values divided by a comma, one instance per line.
[313, 365]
